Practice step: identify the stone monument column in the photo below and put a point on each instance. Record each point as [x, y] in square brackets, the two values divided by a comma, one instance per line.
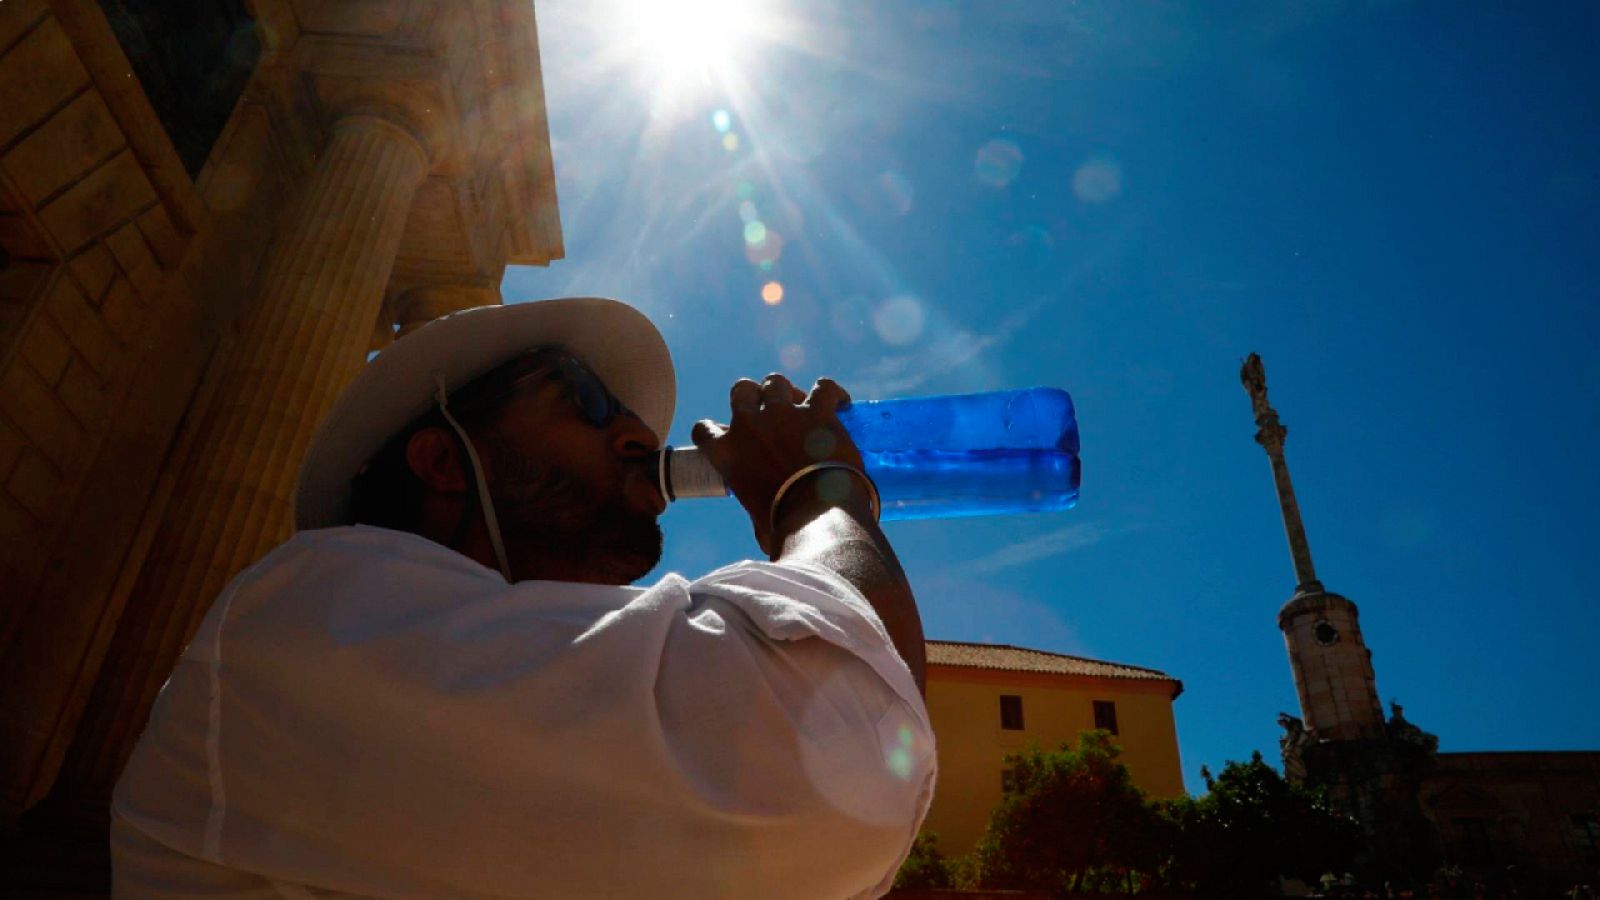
[1322, 630]
[304, 337]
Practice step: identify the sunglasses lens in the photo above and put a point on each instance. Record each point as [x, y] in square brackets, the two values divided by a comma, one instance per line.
[593, 399]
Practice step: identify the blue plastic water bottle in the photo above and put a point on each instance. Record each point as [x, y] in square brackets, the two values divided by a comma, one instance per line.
[943, 457]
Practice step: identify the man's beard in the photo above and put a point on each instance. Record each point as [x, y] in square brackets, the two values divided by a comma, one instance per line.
[555, 521]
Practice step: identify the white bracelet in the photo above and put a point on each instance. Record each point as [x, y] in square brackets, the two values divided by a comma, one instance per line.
[792, 480]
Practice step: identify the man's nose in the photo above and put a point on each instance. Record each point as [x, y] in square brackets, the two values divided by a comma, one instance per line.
[631, 438]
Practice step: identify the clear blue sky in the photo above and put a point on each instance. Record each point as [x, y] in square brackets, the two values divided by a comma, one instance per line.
[1396, 204]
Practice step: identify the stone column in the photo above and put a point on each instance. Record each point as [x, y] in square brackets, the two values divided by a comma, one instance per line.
[422, 305]
[1270, 435]
[304, 338]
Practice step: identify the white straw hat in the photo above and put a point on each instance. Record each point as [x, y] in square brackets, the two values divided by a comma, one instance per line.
[615, 340]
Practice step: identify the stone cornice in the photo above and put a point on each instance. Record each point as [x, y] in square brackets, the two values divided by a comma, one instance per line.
[464, 78]
[528, 168]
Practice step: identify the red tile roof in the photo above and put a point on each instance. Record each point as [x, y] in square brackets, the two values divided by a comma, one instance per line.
[1007, 658]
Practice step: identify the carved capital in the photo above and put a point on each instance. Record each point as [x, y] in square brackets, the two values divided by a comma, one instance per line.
[404, 85]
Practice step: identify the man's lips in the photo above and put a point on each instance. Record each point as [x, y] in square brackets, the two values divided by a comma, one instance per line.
[642, 489]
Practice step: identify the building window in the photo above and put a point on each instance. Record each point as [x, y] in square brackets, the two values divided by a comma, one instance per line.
[1586, 831]
[193, 60]
[1325, 633]
[1105, 715]
[1011, 712]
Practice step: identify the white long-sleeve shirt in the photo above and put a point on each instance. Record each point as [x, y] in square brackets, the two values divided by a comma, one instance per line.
[367, 712]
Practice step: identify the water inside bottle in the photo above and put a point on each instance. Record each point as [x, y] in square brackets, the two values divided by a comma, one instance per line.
[926, 484]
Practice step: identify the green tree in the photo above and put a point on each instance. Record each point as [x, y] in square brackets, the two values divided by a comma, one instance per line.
[925, 867]
[1252, 828]
[1071, 819]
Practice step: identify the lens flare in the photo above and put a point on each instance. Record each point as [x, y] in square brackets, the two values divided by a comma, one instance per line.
[755, 232]
[899, 320]
[1097, 181]
[998, 163]
[730, 142]
[793, 356]
[899, 758]
[820, 442]
[897, 190]
[763, 253]
[721, 121]
[772, 293]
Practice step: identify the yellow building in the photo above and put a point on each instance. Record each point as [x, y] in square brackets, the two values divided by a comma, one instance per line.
[988, 700]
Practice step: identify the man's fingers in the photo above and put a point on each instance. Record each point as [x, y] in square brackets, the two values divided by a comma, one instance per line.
[827, 395]
[744, 396]
[706, 431]
[777, 391]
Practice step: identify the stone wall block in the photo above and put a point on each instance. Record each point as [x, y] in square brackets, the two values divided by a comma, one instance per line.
[163, 238]
[83, 327]
[107, 197]
[46, 348]
[19, 532]
[136, 258]
[35, 484]
[21, 240]
[71, 144]
[11, 444]
[12, 313]
[94, 268]
[303, 338]
[84, 394]
[122, 310]
[42, 417]
[19, 280]
[40, 73]
[17, 17]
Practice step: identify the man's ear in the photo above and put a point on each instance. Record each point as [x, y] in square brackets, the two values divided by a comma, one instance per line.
[435, 457]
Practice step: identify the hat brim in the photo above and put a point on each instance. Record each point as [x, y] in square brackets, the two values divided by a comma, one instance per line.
[616, 341]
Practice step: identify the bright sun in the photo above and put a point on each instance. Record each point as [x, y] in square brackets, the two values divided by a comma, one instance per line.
[677, 39]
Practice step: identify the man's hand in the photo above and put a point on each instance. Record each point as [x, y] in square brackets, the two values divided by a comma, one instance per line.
[824, 519]
[775, 431]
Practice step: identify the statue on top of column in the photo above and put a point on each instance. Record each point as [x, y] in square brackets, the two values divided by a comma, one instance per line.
[1253, 375]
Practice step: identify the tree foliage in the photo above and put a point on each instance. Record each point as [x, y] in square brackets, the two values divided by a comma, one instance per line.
[925, 867]
[1251, 828]
[1072, 820]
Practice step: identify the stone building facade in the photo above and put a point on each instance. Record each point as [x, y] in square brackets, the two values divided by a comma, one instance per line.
[209, 214]
[1535, 813]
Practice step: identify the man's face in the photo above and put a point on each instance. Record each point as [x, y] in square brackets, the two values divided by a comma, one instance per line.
[576, 500]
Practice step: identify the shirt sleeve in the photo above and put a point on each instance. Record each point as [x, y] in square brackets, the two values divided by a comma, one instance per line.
[440, 733]
[855, 748]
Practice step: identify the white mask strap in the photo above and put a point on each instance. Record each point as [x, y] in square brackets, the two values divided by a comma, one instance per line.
[442, 396]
